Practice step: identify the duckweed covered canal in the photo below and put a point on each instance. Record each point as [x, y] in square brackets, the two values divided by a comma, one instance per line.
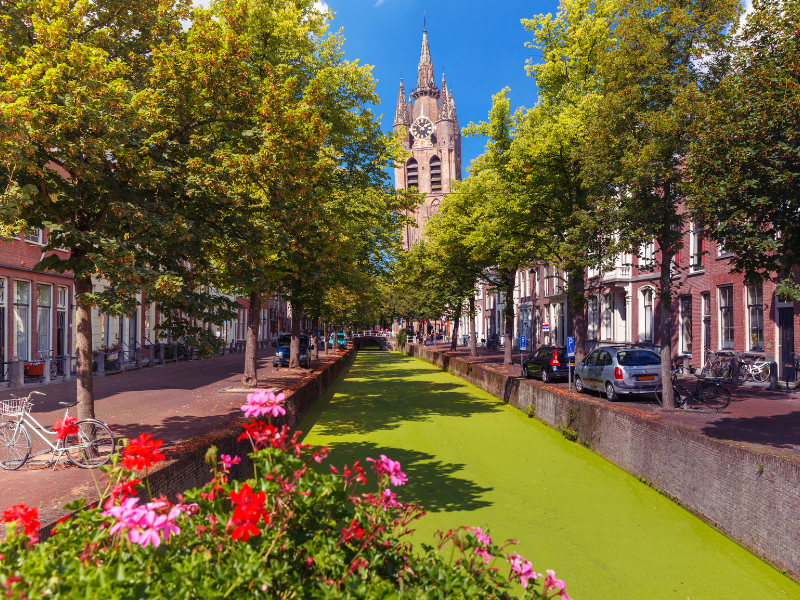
[472, 460]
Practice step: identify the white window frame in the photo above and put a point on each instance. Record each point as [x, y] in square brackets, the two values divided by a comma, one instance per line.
[49, 319]
[749, 317]
[36, 238]
[697, 255]
[606, 308]
[592, 318]
[720, 309]
[647, 322]
[27, 325]
[681, 328]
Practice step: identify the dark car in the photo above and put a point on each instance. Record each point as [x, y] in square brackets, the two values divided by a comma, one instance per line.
[282, 353]
[547, 363]
[619, 371]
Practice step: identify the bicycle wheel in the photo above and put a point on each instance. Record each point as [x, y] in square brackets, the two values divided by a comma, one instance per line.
[92, 446]
[721, 369]
[715, 397]
[15, 445]
[761, 373]
[676, 394]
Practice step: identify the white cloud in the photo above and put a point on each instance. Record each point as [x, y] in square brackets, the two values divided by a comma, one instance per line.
[748, 9]
[379, 2]
[321, 6]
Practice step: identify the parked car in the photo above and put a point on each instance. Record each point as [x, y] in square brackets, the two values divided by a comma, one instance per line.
[617, 371]
[547, 363]
[341, 341]
[282, 353]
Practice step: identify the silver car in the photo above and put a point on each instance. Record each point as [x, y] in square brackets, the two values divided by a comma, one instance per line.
[619, 371]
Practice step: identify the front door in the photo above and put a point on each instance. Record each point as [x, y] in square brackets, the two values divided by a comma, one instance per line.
[786, 337]
[61, 333]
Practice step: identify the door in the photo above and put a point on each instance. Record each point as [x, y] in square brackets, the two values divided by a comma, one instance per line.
[535, 367]
[786, 336]
[596, 372]
[61, 331]
[620, 318]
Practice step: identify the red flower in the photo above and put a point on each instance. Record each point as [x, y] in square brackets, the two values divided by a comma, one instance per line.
[356, 474]
[142, 453]
[121, 492]
[24, 516]
[66, 427]
[248, 510]
[352, 531]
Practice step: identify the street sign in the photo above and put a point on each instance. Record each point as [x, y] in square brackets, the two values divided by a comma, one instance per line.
[545, 326]
[570, 347]
[522, 345]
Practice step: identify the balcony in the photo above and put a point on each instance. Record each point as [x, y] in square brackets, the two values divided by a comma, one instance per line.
[618, 273]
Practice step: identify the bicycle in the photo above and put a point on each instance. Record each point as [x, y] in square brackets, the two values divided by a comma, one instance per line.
[757, 368]
[712, 394]
[91, 446]
[792, 368]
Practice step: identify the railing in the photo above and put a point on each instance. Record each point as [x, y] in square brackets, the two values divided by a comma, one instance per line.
[618, 272]
[359, 335]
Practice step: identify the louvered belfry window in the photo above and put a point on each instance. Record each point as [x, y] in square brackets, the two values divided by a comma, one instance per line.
[436, 174]
[412, 174]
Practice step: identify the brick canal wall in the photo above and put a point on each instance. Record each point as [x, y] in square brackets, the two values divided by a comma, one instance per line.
[751, 497]
[185, 467]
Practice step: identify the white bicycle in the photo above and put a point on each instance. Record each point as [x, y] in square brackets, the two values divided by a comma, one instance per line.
[756, 368]
[92, 444]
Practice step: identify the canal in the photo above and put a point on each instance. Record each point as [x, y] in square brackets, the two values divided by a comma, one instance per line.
[472, 460]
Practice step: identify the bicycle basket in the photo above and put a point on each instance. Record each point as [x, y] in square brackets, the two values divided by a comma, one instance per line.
[15, 406]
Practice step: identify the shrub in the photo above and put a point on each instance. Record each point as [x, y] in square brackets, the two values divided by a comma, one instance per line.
[287, 532]
[402, 338]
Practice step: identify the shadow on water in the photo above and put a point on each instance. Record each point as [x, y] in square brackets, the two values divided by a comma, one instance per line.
[381, 391]
[432, 484]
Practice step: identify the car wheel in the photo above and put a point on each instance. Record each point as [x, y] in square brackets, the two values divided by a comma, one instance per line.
[545, 376]
[610, 393]
[579, 385]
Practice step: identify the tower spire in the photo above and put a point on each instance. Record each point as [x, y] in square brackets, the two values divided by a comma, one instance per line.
[401, 111]
[425, 82]
[444, 102]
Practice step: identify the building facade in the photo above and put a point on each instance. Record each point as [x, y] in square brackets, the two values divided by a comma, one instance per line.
[432, 136]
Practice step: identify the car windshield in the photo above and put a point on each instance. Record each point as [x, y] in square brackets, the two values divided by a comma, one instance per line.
[637, 358]
[284, 340]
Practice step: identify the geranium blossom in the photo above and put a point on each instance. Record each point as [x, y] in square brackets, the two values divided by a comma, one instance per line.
[142, 453]
[146, 525]
[551, 583]
[227, 461]
[389, 499]
[391, 468]
[520, 569]
[24, 517]
[484, 554]
[248, 510]
[121, 492]
[264, 402]
[352, 531]
[482, 537]
[66, 427]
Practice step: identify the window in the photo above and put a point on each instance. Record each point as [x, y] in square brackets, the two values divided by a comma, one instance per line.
[698, 247]
[648, 256]
[592, 317]
[412, 174]
[589, 360]
[34, 236]
[755, 313]
[686, 324]
[606, 317]
[22, 300]
[647, 316]
[43, 304]
[726, 317]
[436, 174]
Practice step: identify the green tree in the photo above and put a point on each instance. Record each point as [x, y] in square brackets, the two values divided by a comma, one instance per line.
[743, 166]
[640, 132]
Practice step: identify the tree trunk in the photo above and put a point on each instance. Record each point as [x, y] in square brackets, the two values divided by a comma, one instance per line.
[579, 314]
[666, 329]
[314, 328]
[473, 336]
[83, 349]
[250, 377]
[508, 358]
[456, 319]
[294, 347]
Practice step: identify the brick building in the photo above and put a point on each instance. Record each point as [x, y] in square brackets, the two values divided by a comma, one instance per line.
[433, 138]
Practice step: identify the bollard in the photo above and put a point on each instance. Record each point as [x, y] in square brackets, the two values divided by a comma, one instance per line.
[138, 353]
[101, 363]
[161, 354]
[17, 378]
[121, 360]
[67, 366]
[175, 352]
[773, 376]
[735, 369]
[686, 364]
[46, 371]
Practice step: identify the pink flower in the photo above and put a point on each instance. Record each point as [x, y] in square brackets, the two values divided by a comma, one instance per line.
[482, 537]
[520, 568]
[551, 583]
[147, 524]
[389, 500]
[264, 402]
[227, 461]
[484, 554]
[391, 468]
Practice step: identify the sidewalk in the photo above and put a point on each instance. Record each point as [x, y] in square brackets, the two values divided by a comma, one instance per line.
[757, 418]
[174, 403]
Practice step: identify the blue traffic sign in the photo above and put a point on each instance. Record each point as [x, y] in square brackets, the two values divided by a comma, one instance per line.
[522, 345]
[570, 347]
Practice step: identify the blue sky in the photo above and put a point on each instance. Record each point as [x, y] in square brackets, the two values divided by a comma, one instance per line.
[480, 46]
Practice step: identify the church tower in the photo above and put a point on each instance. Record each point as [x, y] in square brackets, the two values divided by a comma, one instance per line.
[433, 138]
